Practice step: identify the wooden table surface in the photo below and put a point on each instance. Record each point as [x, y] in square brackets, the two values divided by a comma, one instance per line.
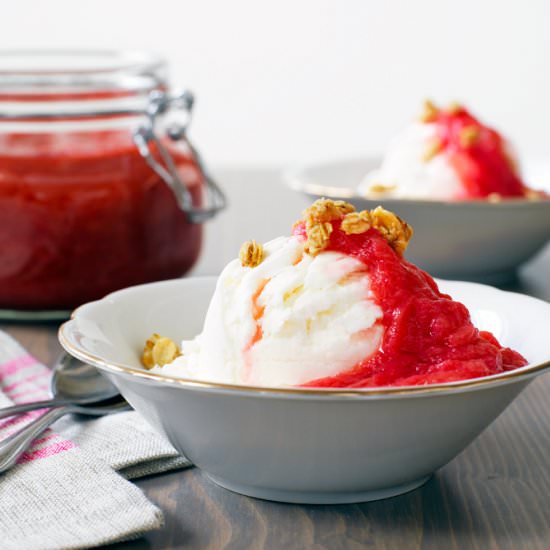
[495, 495]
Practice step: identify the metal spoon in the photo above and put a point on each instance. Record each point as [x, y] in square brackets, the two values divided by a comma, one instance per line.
[72, 382]
[16, 444]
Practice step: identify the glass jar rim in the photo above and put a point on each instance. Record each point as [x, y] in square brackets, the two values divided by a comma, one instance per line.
[52, 71]
[67, 84]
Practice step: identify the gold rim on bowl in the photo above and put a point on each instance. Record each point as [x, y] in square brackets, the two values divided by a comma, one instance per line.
[527, 371]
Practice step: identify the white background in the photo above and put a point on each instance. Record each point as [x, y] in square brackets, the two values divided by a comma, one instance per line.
[292, 81]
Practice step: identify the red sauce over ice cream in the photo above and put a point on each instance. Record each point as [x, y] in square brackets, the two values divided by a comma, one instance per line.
[478, 154]
[428, 337]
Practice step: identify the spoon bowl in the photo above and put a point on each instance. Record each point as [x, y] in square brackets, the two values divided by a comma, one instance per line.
[79, 382]
[73, 382]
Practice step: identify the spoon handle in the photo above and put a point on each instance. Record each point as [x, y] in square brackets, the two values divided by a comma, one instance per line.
[26, 407]
[16, 444]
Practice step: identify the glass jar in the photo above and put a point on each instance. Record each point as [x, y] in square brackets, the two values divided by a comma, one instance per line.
[99, 186]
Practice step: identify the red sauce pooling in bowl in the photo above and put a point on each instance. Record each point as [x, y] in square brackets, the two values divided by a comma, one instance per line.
[82, 214]
[478, 154]
[428, 337]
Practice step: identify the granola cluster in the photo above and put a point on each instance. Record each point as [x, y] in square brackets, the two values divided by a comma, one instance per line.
[430, 110]
[251, 254]
[356, 222]
[468, 137]
[432, 150]
[326, 210]
[159, 351]
[382, 188]
[396, 231]
[318, 218]
[321, 213]
[535, 195]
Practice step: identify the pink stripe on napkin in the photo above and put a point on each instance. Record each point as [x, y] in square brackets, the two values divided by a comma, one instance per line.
[45, 452]
[28, 395]
[14, 421]
[22, 379]
[15, 365]
[42, 374]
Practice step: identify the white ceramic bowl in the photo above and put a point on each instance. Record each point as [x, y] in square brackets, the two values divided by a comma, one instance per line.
[304, 445]
[474, 240]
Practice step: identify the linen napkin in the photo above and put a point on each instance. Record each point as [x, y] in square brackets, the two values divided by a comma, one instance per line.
[65, 491]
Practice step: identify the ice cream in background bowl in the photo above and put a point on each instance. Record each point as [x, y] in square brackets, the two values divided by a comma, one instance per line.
[448, 154]
[336, 304]
[458, 182]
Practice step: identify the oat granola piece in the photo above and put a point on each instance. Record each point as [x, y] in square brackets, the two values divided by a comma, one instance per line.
[396, 231]
[534, 195]
[159, 351]
[251, 254]
[327, 210]
[469, 136]
[434, 148]
[318, 218]
[356, 222]
[454, 108]
[381, 188]
[318, 236]
[430, 112]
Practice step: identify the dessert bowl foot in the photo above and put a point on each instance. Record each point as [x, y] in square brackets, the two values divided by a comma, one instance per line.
[314, 497]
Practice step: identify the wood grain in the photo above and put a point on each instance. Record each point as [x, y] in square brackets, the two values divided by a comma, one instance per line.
[495, 495]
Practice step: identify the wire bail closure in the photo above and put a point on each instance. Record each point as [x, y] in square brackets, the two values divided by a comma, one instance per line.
[160, 103]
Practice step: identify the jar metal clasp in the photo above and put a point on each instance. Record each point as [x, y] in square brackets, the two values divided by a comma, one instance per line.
[163, 163]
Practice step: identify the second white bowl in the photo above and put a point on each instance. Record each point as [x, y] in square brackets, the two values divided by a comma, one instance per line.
[473, 240]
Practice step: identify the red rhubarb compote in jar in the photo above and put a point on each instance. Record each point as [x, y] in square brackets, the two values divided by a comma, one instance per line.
[83, 215]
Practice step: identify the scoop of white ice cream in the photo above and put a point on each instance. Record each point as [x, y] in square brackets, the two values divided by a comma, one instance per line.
[407, 173]
[292, 319]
